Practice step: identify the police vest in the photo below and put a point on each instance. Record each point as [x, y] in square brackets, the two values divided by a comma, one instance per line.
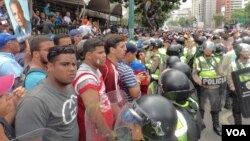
[181, 129]
[207, 68]
[188, 54]
[236, 65]
[191, 113]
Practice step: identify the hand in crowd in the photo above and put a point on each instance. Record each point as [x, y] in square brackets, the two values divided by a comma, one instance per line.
[17, 94]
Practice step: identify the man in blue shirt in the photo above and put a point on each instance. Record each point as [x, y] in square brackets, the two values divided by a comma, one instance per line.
[8, 48]
[39, 47]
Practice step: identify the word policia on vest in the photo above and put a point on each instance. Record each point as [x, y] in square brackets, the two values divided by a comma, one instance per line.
[214, 81]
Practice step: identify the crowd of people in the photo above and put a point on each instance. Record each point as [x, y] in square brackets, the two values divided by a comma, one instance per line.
[92, 86]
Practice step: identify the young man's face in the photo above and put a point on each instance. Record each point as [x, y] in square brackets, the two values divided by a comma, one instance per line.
[98, 56]
[44, 50]
[18, 15]
[63, 69]
[120, 50]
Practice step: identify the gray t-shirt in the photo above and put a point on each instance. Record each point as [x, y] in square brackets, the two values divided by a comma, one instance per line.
[46, 107]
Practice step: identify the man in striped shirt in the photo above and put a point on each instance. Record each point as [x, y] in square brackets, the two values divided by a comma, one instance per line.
[130, 83]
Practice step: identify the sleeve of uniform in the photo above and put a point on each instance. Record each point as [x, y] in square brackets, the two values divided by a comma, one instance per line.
[195, 75]
[230, 79]
[31, 114]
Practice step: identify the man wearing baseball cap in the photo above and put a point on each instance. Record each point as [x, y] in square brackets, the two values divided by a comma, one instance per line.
[75, 36]
[8, 48]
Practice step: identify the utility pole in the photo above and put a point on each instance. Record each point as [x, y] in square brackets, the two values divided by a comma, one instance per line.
[131, 19]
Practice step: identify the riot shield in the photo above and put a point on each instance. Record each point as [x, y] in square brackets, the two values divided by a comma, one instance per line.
[241, 79]
[42, 134]
[117, 97]
[117, 100]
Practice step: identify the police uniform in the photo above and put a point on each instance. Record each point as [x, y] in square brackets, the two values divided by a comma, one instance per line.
[237, 65]
[208, 68]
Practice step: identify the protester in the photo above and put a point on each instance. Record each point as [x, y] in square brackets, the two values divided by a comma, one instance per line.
[93, 100]
[53, 104]
[8, 48]
[8, 102]
[37, 71]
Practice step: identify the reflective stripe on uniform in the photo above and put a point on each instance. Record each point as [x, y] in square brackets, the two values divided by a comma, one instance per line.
[181, 129]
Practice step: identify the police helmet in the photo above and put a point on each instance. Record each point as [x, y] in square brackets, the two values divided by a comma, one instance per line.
[181, 40]
[159, 117]
[200, 40]
[172, 60]
[176, 85]
[236, 42]
[183, 67]
[241, 47]
[246, 39]
[208, 44]
[157, 43]
[219, 48]
[174, 50]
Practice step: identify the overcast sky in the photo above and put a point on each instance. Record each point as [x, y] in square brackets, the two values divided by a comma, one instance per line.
[186, 4]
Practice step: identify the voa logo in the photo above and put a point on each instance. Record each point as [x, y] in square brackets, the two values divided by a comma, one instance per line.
[236, 132]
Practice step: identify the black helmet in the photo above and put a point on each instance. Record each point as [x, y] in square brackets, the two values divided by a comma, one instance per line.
[176, 85]
[208, 44]
[183, 67]
[157, 43]
[181, 40]
[246, 39]
[236, 42]
[219, 48]
[200, 40]
[159, 117]
[171, 60]
[174, 50]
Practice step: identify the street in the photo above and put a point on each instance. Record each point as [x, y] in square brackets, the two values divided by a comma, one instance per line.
[226, 118]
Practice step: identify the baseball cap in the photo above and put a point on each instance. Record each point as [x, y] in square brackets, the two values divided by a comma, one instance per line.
[131, 46]
[5, 38]
[6, 82]
[74, 32]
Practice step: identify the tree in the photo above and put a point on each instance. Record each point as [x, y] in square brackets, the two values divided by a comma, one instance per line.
[218, 19]
[156, 13]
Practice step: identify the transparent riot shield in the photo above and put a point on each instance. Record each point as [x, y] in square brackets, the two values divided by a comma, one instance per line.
[115, 100]
[128, 124]
[42, 134]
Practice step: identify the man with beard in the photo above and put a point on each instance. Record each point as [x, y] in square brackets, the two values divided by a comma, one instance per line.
[39, 47]
[53, 103]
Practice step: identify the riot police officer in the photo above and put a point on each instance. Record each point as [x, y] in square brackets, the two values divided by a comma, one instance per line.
[156, 116]
[205, 69]
[176, 87]
[242, 51]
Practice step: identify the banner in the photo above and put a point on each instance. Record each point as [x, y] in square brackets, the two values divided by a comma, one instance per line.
[213, 81]
[19, 14]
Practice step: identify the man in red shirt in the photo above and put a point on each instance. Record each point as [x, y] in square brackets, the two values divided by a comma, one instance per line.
[115, 48]
[95, 115]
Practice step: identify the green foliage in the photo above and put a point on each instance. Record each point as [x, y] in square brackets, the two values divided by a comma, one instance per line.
[218, 19]
[163, 7]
